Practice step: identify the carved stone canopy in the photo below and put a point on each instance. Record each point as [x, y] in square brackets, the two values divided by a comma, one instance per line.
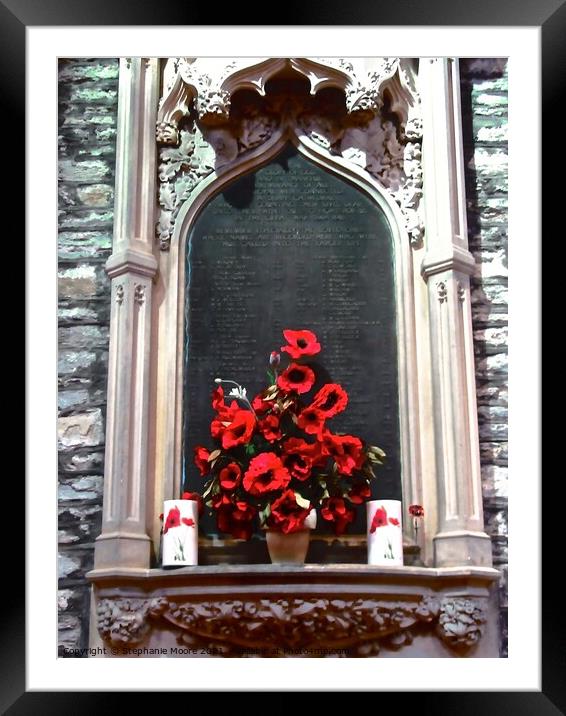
[213, 114]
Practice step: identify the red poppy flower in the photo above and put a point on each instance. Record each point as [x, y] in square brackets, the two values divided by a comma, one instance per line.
[416, 511]
[286, 514]
[262, 406]
[173, 519]
[218, 398]
[346, 451]
[197, 498]
[301, 343]
[394, 521]
[230, 477]
[379, 519]
[298, 458]
[299, 378]
[266, 473]
[270, 428]
[335, 510]
[226, 414]
[311, 420]
[236, 518]
[331, 399]
[188, 521]
[359, 492]
[240, 430]
[220, 500]
[201, 459]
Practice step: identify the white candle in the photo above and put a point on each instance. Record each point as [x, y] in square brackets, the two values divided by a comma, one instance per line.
[384, 532]
[180, 533]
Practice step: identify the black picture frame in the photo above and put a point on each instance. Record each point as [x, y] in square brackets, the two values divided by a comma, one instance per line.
[549, 15]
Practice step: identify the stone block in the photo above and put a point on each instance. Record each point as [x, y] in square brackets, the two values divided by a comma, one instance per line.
[85, 70]
[75, 362]
[77, 282]
[493, 452]
[81, 461]
[88, 220]
[491, 340]
[96, 195]
[71, 398]
[494, 481]
[493, 431]
[80, 314]
[70, 630]
[83, 488]
[93, 170]
[82, 430]
[87, 337]
[84, 246]
[69, 565]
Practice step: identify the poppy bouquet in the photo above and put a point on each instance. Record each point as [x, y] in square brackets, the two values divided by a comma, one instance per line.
[276, 457]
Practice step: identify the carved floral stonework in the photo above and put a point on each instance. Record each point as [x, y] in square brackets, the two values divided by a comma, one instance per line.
[200, 130]
[126, 621]
[460, 622]
[119, 295]
[357, 626]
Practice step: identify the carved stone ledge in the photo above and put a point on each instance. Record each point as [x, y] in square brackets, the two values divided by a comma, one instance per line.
[312, 611]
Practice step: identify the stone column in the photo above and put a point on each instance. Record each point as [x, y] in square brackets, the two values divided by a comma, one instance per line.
[124, 541]
[447, 267]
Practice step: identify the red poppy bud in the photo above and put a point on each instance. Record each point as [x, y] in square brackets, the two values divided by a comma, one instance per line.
[274, 359]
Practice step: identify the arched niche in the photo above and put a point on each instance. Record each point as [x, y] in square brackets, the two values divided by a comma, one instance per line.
[406, 456]
[292, 245]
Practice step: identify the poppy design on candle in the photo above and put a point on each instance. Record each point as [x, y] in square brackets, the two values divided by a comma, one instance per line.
[387, 547]
[380, 519]
[179, 531]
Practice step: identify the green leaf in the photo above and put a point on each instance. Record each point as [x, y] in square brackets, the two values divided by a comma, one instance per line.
[250, 449]
[271, 377]
[264, 514]
[208, 490]
[301, 501]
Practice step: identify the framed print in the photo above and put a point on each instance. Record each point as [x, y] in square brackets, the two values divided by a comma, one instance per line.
[203, 204]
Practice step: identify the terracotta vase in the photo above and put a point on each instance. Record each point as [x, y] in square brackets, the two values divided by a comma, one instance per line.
[290, 548]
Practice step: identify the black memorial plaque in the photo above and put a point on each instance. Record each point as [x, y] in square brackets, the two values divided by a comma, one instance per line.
[293, 246]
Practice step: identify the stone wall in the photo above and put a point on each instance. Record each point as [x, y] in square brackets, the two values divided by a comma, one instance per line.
[88, 91]
[87, 135]
[484, 109]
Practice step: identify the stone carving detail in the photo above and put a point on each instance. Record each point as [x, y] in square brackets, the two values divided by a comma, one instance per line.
[126, 621]
[461, 293]
[460, 622]
[119, 295]
[166, 133]
[201, 151]
[380, 132]
[359, 626]
[364, 95]
[139, 294]
[442, 291]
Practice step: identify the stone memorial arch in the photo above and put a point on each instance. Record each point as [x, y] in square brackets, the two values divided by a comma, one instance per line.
[390, 128]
